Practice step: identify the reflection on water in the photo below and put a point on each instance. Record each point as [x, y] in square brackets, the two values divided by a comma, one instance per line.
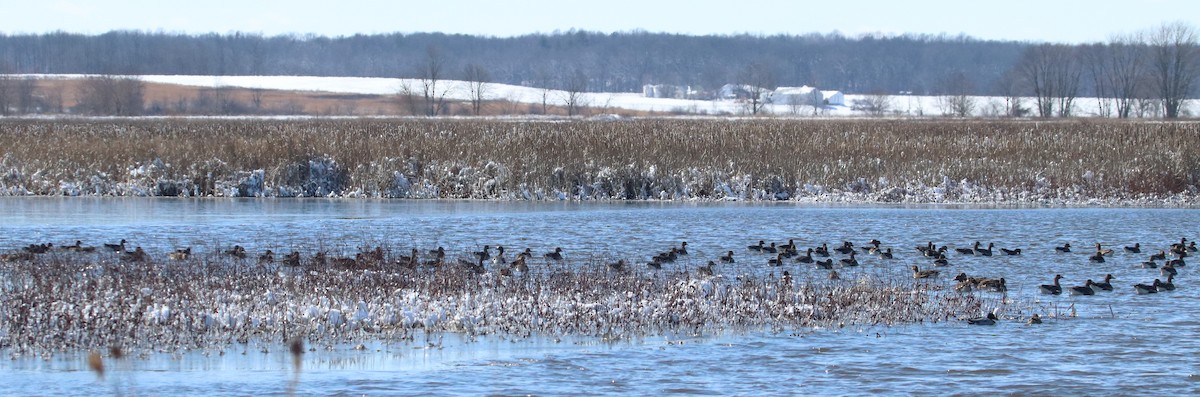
[1118, 342]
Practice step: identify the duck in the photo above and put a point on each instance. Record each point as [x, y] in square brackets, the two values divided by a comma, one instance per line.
[1105, 285]
[528, 253]
[293, 259]
[180, 254]
[787, 277]
[759, 247]
[994, 285]
[237, 252]
[618, 266]
[942, 261]
[1098, 257]
[846, 248]
[990, 319]
[1160, 256]
[968, 251]
[1007, 251]
[1180, 246]
[137, 255]
[807, 258]
[727, 258]
[439, 252]
[1103, 251]
[554, 255]
[849, 261]
[499, 258]
[822, 251]
[833, 275]
[1052, 289]
[519, 264]
[485, 254]
[825, 264]
[770, 249]
[1135, 249]
[1085, 289]
[1168, 285]
[267, 257]
[1063, 248]
[707, 270]
[871, 247]
[985, 252]
[918, 273]
[886, 254]
[924, 249]
[75, 248]
[1034, 319]
[119, 247]
[790, 246]
[654, 264]
[682, 248]
[776, 261]
[1143, 289]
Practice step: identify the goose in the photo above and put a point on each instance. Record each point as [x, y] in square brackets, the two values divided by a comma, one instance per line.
[293, 259]
[1052, 289]
[237, 252]
[918, 273]
[871, 247]
[849, 261]
[1105, 285]
[1168, 270]
[1103, 251]
[1063, 248]
[1143, 289]
[989, 320]
[1180, 246]
[886, 254]
[937, 253]
[1168, 285]
[968, 251]
[807, 258]
[180, 254]
[267, 257]
[833, 275]
[528, 253]
[1007, 251]
[485, 254]
[770, 249]
[822, 251]
[119, 247]
[554, 255]
[707, 270]
[727, 258]
[924, 249]
[1178, 262]
[1098, 257]
[776, 261]
[1135, 249]
[682, 248]
[759, 247]
[618, 266]
[985, 252]
[519, 264]
[846, 248]
[499, 258]
[439, 252]
[994, 285]
[1160, 256]
[826, 264]
[1085, 289]
[137, 255]
[790, 246]
[1034, 319]
[1150, 264]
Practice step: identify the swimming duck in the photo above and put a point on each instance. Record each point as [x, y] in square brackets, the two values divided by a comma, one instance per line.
[1007, 251]
[519, 264]
[499, 258]
[822, 251]
[776, 261]
[1168, 270]
[849, 261]
[770, 249]
[293, 259]
[759, 247]
[1143, 289]
[924, 249]
[137, 255]
[994, 285]
[833, 275]
[1150, 264]
[989, 320]
[618, 266]
[790, 246]
[1135, 249]
[267, 257]
[554, 255]
[707, 270]
[1177, 262]
[826, 264]
[1063, 248]
[1052, 289]
[727, 258]
[682, 248]
[119, 247]
[237, 252]
[918, 273]
[846, 248]
[1085, 289]
[807, 258]
[1105, 285]
[1160, 256]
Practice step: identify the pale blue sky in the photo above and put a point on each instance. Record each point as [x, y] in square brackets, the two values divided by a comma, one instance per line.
[1045, 20]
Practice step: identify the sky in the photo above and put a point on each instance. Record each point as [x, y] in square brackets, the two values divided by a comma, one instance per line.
[1061, 21]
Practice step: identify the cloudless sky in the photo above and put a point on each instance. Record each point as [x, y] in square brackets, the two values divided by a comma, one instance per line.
[1067, 21]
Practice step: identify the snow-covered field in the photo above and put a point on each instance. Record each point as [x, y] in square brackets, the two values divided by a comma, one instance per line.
[900, 105]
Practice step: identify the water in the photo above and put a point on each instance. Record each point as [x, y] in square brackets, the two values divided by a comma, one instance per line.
[1118, 342]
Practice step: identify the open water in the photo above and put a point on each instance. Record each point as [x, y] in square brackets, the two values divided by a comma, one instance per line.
[1115, 342]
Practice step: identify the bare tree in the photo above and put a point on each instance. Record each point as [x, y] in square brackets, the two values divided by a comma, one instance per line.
[1051, 72]
[25, 100]
[7, 92]
[956, 99]
[112, 95]
[1175, 62]
[430, 75]
[477, 78]
[758, 81]
[877, 103]
[1116, 69]
[573, 87]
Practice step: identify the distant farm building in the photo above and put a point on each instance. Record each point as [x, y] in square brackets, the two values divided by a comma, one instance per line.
[668, 91]
[833, 98]
[807, 96]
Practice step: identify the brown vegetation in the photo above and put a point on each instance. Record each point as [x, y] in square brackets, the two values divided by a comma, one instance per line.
[880, 160]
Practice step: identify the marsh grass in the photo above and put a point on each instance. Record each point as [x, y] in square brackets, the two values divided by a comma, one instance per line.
[871, 160]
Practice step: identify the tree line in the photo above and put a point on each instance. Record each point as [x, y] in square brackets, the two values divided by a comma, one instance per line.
[1147, 73]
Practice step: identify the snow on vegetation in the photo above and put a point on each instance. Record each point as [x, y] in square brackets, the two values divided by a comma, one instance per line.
[856, 160]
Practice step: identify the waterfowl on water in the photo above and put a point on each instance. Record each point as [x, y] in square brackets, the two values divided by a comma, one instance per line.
[925, 249]
[1052, 289]
[237, 252]
[849, 261]
[1007, 251]
[707, 270]
[825, 264]
[1098, 257]
[439, 252]
[485, 254]
[618, 266]
[822, 251]
[990, 319]
[519, 264]
[1085, 289]
[1063, 248]
[941, 261]
[918, 273]
[293, 259]
[1160, 256]
[807, 258]
[969, 251]
[787, 277]
[758, 247]
[1105, 285]
[76, 247]
[871, 247]
[1177, 262]
[653, 264]
[1168, 285]
[846, 248]
[180, 254]
[1143, 289]
[1150, 264]
[119, 247]
[554, 255]
[727, 258]
[1168, 270]
[985, 252]
[790, 246]
[994, 285]
[776, 261]
[770, 249]
[1135, 249]
[1034, 319]
[682, 248]
[887, 254]
[1180, 246]
[1103, 251]
[499, 258]
[137, 255]
[833, 275]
